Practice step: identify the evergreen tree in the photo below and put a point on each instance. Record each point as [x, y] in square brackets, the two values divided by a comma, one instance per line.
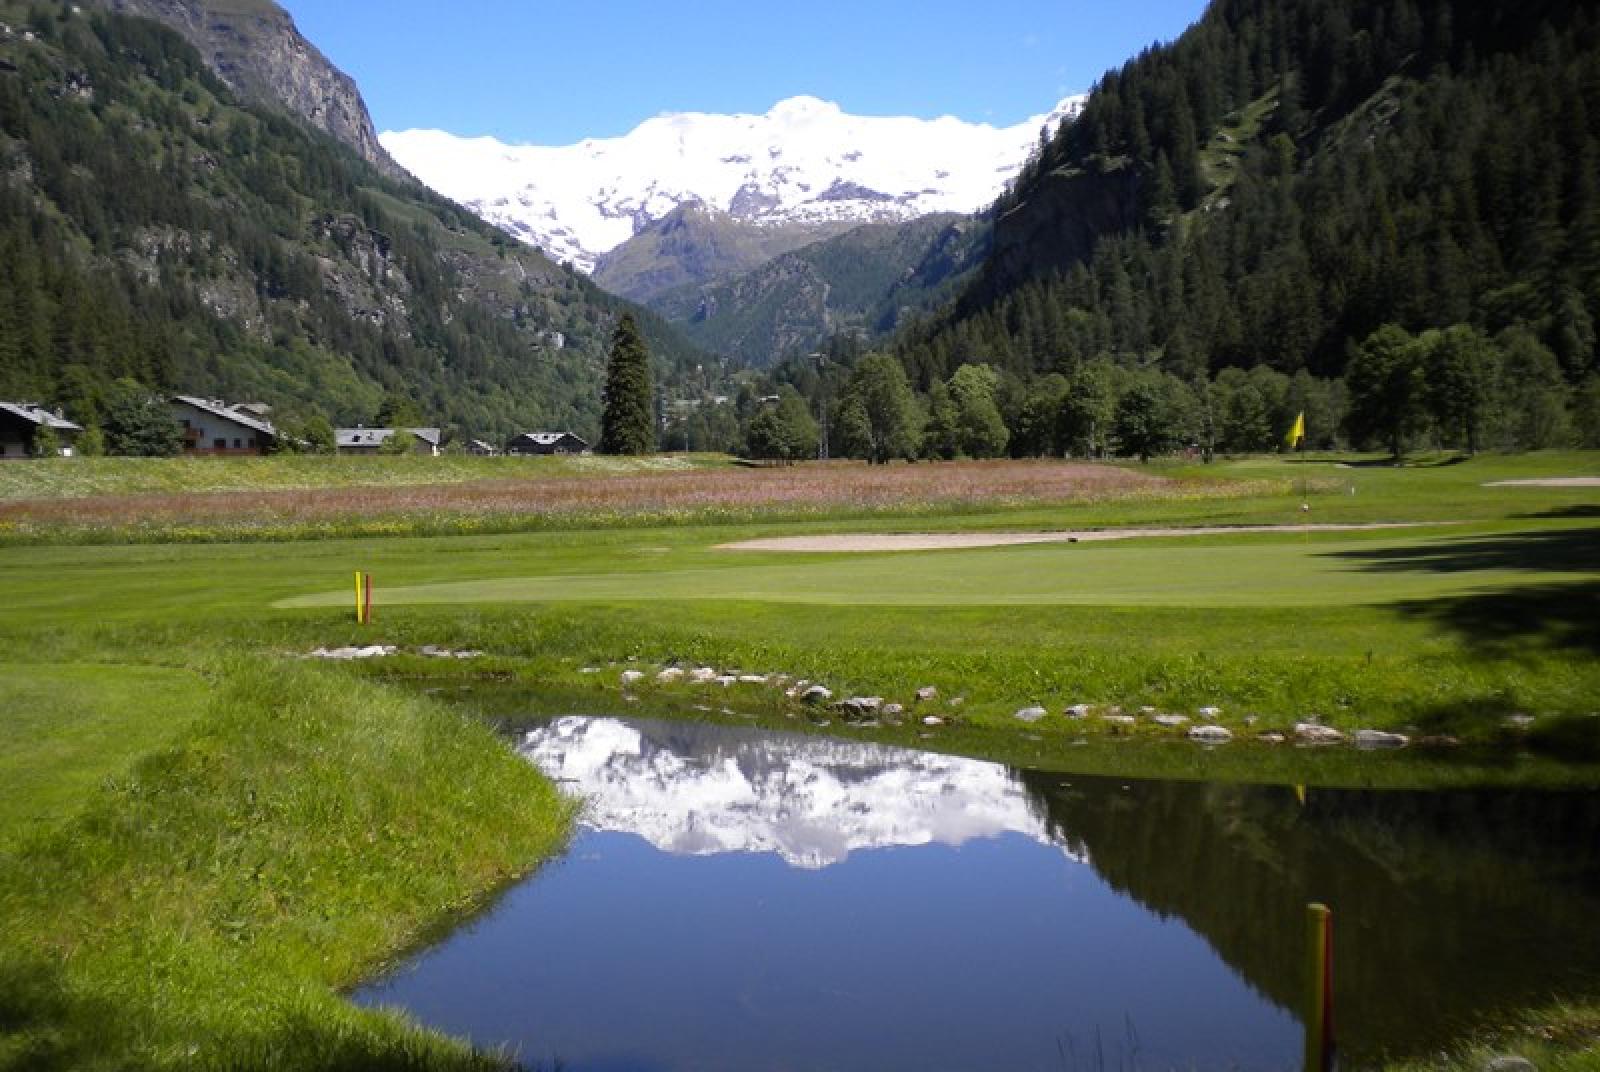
[627, 424]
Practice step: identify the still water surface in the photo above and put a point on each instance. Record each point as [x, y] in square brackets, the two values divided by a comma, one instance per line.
[743, 899]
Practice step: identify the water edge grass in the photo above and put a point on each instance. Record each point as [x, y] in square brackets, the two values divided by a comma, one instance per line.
[217, 828]
[205, 909]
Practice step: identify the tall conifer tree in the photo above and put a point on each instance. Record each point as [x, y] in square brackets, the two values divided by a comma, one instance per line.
[628, 425]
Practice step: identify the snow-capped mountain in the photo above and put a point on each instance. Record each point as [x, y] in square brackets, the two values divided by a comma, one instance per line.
[702, 790]
[804, 162]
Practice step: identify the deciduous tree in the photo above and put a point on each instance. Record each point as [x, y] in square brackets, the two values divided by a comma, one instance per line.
[138, 423]
[883, 421]
[1387, 389]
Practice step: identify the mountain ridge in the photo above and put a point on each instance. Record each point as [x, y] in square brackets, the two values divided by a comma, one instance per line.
[249, 255]
[255, 47]
[804, 163]
[864, 282]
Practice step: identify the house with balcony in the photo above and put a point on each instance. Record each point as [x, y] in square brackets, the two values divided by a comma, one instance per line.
[212, 426]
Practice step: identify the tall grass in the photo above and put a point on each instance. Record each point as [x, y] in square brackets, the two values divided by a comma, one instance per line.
[74, 478]
[703, 496]
[204, 911]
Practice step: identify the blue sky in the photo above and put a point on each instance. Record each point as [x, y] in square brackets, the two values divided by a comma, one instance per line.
[553, 72]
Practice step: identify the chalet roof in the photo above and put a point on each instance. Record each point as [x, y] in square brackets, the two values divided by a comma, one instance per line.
[376, 437]
[39, 415]
[546, 439]
[237, 414]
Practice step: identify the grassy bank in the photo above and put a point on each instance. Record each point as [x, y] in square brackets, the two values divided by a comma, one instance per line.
[1562, 1038]
[1442, 630]
[200, 845]
[202, 907]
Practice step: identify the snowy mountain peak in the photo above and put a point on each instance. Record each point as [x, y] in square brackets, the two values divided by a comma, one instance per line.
[701, 790]
[806, 162]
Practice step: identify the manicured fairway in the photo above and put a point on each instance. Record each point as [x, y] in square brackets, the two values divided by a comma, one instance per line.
[176, 779]
[1255, 570]
[68, 728]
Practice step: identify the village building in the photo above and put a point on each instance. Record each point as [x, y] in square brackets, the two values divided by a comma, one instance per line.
[212, 426]
[547, 443]
[20, 424]
[371, 440]
[482, 449]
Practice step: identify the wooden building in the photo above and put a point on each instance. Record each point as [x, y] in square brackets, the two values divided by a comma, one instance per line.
[372, 440]
[20, 424]
[547, 443]
[212, 426]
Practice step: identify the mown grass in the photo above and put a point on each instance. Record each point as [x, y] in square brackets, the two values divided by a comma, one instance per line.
[1443, 630]
[212, 844]
[69, 728]
[205, 909]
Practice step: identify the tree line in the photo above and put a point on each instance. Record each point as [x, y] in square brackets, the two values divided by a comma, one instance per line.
[1286, 187]
[1455, 388]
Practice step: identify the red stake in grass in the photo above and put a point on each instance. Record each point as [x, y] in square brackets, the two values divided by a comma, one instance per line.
[366, 592]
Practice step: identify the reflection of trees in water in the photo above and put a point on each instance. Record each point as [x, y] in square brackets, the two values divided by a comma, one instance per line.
[1447, 906]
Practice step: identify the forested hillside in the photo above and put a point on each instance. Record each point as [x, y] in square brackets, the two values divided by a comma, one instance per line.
[863, 281]
[1384, 214]
[154, 227]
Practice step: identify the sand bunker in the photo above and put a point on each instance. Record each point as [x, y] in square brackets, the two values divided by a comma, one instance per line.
[946, 541]
[1549, 482]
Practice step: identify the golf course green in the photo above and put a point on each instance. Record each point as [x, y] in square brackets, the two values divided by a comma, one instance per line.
[205, 835]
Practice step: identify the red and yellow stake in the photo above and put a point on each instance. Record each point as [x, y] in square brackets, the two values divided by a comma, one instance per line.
[363, 598]
[1321, 1055]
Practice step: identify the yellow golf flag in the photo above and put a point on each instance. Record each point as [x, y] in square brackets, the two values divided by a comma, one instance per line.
[1297, 433]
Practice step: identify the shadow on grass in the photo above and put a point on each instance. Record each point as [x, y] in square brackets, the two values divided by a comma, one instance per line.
[1555, 614]
[1563, 551]
[1561, 616]
[36, 1006]
[1566, 513]
[1408, 461]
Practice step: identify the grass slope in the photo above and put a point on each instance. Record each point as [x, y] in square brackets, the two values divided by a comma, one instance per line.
[203, 910]
[69, 728]
[198, 848]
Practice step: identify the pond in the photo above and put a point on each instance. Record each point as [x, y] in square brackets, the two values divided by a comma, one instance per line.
[747, 899]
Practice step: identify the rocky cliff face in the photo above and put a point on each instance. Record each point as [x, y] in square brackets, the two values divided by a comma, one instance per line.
[254, 46]
[861, 282]
[694, 244]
